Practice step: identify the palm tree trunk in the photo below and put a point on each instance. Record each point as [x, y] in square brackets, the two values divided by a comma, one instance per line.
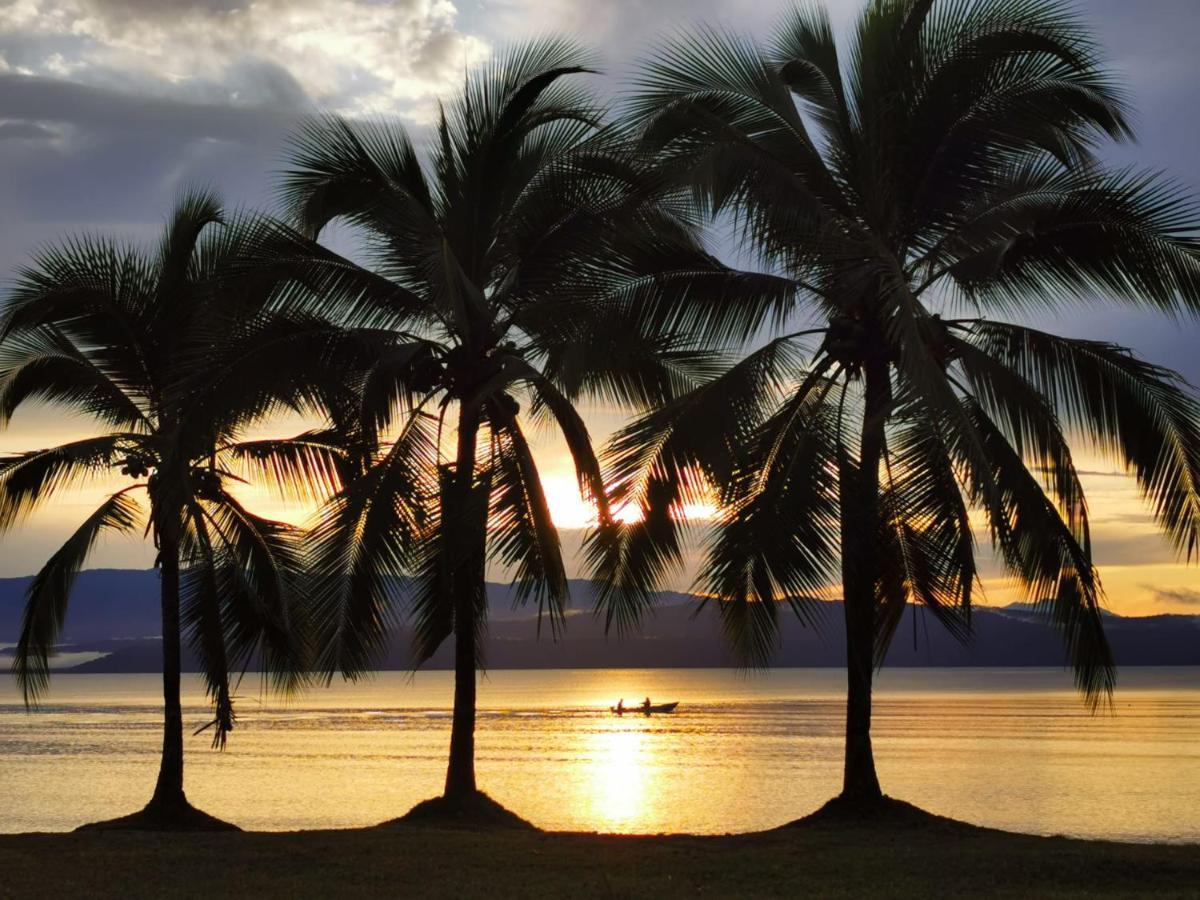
[465, 582]
[860, 563]
[168, 793]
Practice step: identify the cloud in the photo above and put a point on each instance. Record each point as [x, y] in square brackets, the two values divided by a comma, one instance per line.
[348, 55]
[37, 100]
[632, 24]
[25, 131]
[1175, 596]
[87, 158]
[109, 107]
[109, 156]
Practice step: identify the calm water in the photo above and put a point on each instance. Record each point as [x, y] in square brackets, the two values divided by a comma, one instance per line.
[1009, 748]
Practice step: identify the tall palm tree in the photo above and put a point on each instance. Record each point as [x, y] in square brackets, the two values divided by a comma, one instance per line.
[902, 193]
[147, 346]
[505, 281]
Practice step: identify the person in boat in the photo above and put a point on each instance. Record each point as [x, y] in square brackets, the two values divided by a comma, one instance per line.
[620, 706]
[646, 705]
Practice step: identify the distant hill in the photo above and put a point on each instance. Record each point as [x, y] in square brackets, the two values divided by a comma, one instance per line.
[116, 612]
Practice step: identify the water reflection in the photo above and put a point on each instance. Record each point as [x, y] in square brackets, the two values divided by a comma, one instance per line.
[617, 775]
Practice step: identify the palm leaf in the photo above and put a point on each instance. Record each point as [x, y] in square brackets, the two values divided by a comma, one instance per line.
[263, 587]
[29, 479]
[307, 467]
[522, 535]
[202, 617]
[668, 459]
[1052, 560]
[776, 539]
[50, 592]
[40, 364]
[1141, 415]
[367, 537]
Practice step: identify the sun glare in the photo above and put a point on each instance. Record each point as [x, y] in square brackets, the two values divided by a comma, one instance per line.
[569, 509]
[619, 757]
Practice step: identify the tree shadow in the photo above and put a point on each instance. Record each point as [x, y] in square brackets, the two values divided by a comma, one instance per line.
[158, 816]
[477, 812]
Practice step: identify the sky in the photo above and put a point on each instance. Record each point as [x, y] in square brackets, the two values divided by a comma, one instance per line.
[109, 108]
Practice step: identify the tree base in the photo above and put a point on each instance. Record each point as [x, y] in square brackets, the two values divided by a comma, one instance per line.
[159, 816]
[474, 812]
[882, 812]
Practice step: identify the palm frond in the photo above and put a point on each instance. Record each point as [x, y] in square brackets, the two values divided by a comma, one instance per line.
[806, 54]
[302, 276]
[97, 295]
[29, 479]
[40, 364]
[1028, 420]
[607, 354]
[1052, 560]
[308, 467]
[50, 592]
[359, 171]
[776, 539]
[522, 535]
[263, 587]
[579, 443]
[1141, 415]
[194, 211]
[667, 460]
[927, 545]
[366, 539]
[203, 619]
[1050, 237]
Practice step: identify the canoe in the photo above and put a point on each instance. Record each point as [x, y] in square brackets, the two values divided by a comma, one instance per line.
[638, 708]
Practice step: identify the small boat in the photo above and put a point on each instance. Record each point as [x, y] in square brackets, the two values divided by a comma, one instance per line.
[646, 710]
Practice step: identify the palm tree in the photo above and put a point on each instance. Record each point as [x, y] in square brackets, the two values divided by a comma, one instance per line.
[148, 345]
[902, 195]
[506, 279]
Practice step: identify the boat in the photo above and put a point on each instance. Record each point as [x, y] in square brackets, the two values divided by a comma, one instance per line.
[645, 711]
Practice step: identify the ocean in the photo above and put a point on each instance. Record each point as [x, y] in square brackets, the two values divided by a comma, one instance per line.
[1009, 748]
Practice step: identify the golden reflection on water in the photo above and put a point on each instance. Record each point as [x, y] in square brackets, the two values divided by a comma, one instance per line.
[616, 764]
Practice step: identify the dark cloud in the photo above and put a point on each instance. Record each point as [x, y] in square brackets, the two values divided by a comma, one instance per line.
[263, 83]
[97, 109]
[25, 131]
[1152, 47]
[1176, 596]
[141, 10]
[120, 157]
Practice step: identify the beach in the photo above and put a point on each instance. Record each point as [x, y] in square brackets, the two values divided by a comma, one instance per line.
[911, 856]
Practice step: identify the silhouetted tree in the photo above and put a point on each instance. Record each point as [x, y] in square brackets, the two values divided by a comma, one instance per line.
[942, 164]
[509, 271]
[152, 348]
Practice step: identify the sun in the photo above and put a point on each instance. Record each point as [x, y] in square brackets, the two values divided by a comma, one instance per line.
[569, 509]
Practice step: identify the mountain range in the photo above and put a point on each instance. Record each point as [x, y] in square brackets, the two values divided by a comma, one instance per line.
[113, 626]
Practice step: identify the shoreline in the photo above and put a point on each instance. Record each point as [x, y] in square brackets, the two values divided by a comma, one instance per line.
[909, 854]
[1192, 842]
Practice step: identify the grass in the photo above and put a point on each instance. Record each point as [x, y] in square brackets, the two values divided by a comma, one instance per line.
[908, 854]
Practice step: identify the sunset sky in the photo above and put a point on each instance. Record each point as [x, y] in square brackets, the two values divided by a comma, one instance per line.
[109, 107]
